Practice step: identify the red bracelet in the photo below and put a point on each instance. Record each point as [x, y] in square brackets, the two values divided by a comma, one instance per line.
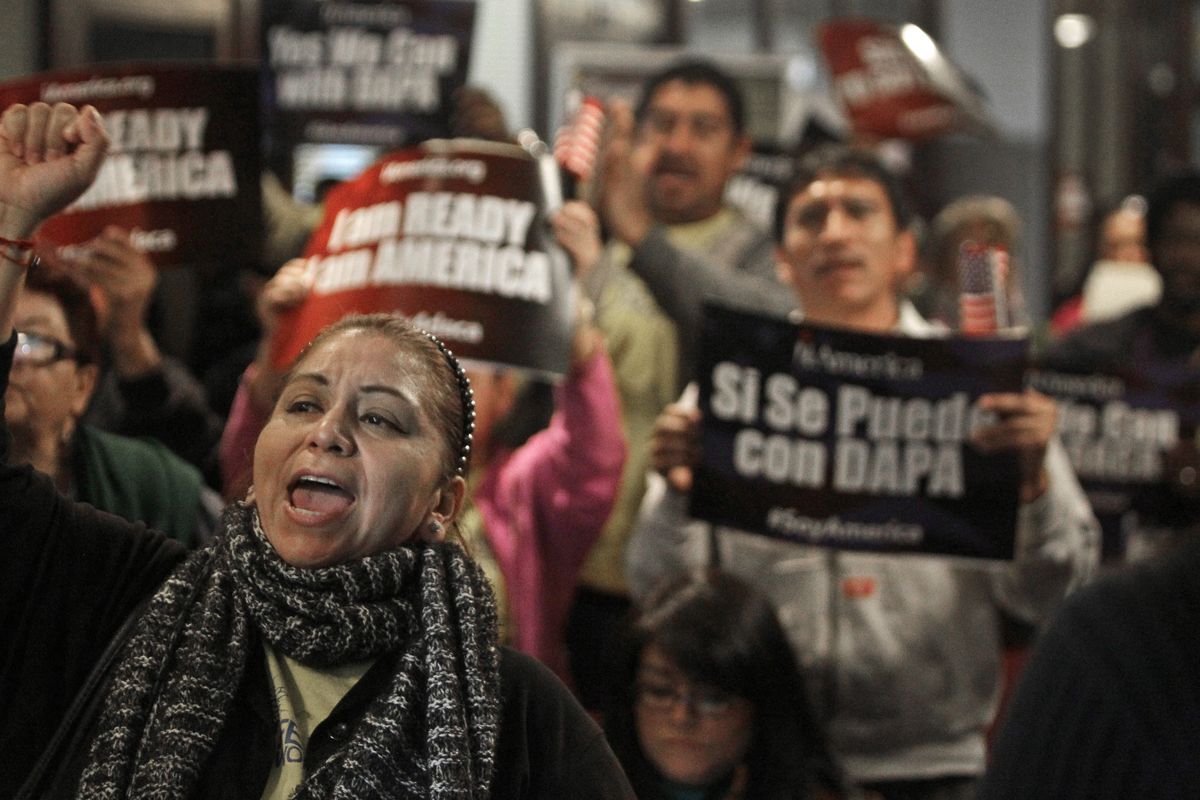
[21, 244]
[18, 251]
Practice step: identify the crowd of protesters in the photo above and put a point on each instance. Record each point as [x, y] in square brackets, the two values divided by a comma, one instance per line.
[721, 664]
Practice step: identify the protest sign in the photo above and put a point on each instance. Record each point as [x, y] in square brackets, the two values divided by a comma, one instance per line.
[895, 82]
[450, 235]
[1131, 438]
[755, 187]
[183, 168]
[829, 437]
[374, 72]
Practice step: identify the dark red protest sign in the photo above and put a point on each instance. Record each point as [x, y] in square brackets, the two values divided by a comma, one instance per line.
[450, 235]
[828, 437]
[894, 82]
[183, 169]
[378, 73]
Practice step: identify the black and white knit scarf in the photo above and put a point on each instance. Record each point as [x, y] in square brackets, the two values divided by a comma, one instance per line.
[431, 733]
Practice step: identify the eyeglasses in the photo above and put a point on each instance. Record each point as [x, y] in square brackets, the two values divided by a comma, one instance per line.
[37, 350]
[706, 701]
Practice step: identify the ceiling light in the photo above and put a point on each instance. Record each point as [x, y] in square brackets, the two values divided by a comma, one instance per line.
[918, 42]
[1074, 30]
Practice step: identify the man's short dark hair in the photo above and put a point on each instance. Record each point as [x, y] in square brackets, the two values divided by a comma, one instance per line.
[693, 71]
[844, 162]
[1182, 188]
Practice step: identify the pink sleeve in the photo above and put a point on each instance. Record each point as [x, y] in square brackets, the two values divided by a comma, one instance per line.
[545, 505]
[576, 462]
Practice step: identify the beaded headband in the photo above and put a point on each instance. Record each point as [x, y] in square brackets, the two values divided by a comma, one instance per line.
[468, 404]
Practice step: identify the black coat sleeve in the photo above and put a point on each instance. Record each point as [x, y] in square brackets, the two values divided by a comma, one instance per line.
[69, 576]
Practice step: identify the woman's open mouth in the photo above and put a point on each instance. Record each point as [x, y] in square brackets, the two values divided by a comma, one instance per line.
[315, 498]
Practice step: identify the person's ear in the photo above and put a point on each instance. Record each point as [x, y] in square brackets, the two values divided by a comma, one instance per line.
[453, 496]
[906, 255]
[741, 151]
[783, 268]
[86, 378]
[447, 505]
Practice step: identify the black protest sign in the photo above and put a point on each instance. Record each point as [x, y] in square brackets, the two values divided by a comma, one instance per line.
[829, 437]
[374, 72]
[1131, 436]
[755, 187]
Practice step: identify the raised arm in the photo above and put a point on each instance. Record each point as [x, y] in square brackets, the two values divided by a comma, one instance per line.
[69, 574]
[665, 540]
[1058, 537]
[144, 393]
[545, 503]
[48, 157]
[738, 272]
[126, 278]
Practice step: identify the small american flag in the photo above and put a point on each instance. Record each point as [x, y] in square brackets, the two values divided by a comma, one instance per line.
[981, 273]
[578, 140]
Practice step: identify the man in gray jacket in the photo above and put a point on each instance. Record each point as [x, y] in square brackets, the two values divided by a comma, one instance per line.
[905, 650]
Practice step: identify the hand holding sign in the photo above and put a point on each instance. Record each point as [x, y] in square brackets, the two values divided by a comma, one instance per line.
[577, 229]
[1026, 422]
[675, 445]
[125, 278]
[48, 157]
[285, 291]
[121, 271]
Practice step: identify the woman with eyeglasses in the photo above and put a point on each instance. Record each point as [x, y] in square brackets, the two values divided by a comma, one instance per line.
[713, 706]
[54, 375]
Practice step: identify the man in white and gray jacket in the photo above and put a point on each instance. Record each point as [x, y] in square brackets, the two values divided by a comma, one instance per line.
[903, 651]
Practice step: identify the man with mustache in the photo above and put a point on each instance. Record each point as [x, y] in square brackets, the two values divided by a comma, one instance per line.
[674, 244]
